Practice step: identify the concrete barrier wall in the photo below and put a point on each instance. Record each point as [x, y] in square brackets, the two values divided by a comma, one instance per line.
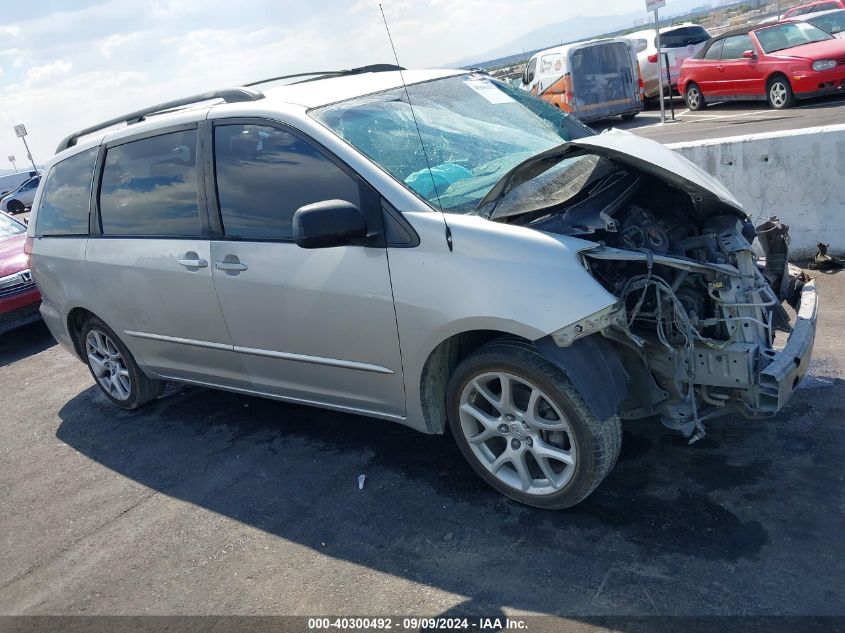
[798, 176]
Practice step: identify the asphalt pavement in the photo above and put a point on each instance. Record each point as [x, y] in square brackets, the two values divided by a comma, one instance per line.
[721, 120]
[207, 502]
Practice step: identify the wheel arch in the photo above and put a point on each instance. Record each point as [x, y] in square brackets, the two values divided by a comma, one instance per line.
[592, 364]
[777, 73]
[438, 368]
[75, 320]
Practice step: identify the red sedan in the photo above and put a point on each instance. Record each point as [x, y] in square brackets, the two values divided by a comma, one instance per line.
[19, 298]
[813, 7]
[779, 63]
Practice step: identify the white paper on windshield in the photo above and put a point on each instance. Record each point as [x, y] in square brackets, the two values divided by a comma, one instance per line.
[488, 91]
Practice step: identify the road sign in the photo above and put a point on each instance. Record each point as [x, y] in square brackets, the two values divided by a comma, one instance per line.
[20, 130]
[11, 158]
[651, 5]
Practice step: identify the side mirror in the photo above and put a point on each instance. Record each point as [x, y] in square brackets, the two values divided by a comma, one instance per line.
[749, 55]
[328, 223]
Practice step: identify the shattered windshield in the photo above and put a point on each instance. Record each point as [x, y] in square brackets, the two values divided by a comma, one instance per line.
[474, 130]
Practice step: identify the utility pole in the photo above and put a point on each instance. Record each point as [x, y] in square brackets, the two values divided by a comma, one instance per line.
[20, 132]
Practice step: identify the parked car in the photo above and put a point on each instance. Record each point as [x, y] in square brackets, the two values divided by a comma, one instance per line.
[482, 262]
[19, 298]
[813, 7]
[20, 199]
[678, 43]
[832, 22]
[10, 182]
[779, 63]
[590, 80]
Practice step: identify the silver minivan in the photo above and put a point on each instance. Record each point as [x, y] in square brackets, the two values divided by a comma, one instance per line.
[434, 248]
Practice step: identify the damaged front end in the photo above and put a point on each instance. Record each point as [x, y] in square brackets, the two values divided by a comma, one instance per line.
[699, 314]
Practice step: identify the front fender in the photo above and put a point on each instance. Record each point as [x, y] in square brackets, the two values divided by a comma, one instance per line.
[498, 277]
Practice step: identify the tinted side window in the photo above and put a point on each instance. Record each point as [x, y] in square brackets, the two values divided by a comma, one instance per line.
[66, 197]
[735, 46]
[265, 174]
[683, 37]
[715, 50]
[149, 187]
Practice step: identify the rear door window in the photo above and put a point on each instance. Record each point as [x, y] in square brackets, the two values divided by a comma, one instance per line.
[66, 198]
[265, 174]
[736, 45]
[149, 187]
[683, 37]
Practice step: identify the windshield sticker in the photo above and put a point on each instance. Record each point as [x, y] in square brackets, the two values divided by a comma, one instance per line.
[488, 91]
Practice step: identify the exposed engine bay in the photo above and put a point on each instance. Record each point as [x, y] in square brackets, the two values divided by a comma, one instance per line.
[698, 310]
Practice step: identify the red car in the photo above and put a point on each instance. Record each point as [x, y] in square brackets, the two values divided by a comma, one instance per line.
[812, 7]
[19, 298]
[779, 63]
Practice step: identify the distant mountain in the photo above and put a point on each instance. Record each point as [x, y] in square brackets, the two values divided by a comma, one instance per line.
[580, 28]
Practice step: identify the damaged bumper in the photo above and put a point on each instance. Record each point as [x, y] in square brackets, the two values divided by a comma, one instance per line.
[783, 375]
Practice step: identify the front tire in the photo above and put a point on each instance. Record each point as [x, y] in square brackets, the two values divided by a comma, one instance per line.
[629, 117]
[525, 429]
[779, 93]
[694, 97]
[114, 368]
[15, 207]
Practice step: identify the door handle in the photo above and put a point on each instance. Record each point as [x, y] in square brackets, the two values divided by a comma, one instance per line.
[230, 266]
[720, 68]
[193, 263]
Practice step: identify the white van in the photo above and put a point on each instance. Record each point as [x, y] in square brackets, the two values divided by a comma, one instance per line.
[590, 80]
[678, 42]
[10, 182]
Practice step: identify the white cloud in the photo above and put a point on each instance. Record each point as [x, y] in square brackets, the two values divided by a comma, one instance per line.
[2, 74]
[40, 74]
[10, 29]
[108, 45]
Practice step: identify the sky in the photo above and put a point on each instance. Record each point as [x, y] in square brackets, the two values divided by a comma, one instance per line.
[65, 65]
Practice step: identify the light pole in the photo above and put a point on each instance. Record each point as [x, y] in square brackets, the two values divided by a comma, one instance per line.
[12, 160]
[20, 132]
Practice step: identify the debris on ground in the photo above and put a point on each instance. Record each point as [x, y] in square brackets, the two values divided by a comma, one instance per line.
[825, 262]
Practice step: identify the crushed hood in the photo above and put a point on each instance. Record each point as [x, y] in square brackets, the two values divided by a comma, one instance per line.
[709, 196]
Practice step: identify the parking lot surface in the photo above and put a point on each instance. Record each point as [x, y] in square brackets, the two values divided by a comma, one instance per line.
[212, 503]
[722, 120]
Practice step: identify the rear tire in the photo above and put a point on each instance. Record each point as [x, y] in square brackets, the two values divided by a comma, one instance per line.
[694, 97]
[15, 207]
[779, 93]
[525, 429]
[114, 368]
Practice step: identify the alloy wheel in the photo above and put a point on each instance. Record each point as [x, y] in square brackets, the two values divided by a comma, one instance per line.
[778, 94]
[693, 97]
[517, 433]
[108, 365]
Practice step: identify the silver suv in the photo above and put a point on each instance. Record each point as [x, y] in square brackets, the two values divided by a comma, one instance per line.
[478, 261]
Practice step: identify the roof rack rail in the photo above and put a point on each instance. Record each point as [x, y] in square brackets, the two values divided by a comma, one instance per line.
[325, 74]
[229, 95]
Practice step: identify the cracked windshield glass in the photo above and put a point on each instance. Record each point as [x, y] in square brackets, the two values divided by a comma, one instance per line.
[474, 131]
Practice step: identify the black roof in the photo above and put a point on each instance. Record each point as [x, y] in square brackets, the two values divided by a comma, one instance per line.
[743, 30]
